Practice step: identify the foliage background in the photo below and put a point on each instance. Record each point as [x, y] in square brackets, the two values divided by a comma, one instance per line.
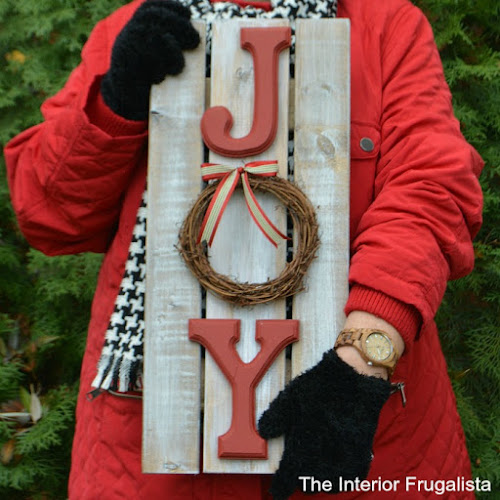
[45, 302]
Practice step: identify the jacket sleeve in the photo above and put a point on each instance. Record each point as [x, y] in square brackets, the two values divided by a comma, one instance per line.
[68, 174]
[417, 233]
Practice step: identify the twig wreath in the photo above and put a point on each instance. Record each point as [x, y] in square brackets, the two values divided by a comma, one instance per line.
[289, 281]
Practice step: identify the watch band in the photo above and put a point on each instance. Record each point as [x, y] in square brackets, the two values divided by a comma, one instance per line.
[355, 336]
[350, 335]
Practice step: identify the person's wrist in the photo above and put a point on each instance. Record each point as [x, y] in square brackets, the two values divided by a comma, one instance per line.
[361, 319]
[352, 357]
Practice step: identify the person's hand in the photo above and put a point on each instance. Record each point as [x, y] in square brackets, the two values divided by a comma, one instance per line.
[328, 416]
[147, 49]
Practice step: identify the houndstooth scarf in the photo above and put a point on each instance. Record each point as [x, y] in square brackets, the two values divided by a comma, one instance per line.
[120, 365]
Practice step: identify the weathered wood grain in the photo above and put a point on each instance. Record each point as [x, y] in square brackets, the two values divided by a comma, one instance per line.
[172, 410]
[322, 131]
[174, 371]
[239, 249]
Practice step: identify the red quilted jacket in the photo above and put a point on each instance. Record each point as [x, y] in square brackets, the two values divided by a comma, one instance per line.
[77, 179]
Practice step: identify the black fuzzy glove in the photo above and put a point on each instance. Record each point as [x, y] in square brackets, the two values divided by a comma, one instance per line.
[147, 49]
[329, 416]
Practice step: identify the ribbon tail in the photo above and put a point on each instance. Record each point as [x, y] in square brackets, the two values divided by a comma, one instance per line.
[270, 231]
[217, 206]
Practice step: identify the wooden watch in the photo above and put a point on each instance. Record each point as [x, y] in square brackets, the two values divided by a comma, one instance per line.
[374, 345]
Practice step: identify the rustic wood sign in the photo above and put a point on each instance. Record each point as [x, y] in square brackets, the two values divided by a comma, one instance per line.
[225, 388]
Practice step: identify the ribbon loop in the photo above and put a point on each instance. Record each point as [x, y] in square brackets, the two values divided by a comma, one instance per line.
[229, 180]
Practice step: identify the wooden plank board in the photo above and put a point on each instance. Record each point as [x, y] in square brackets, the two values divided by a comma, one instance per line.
[171, 427]
[239, 249]
[173, 370]
[322, 132]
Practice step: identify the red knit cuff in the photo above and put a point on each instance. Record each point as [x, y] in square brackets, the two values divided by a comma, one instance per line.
[102, 116]
[405, 318]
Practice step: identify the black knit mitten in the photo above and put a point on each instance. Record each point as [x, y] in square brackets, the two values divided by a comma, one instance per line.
[147, 49]
[329, 416]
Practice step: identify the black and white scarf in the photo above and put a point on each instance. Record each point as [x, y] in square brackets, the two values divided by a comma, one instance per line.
[120, 365]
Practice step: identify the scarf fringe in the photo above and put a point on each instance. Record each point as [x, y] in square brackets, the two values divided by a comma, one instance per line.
[118, 374]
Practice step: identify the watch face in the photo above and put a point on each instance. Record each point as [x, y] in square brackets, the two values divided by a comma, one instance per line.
[378, 347]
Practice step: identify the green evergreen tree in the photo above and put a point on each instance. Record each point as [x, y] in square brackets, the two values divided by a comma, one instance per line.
[468, 37]
[45, 302]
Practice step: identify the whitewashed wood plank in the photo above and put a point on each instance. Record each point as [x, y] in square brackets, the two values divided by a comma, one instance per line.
[322, 131]
[171, 425]
[239, 249]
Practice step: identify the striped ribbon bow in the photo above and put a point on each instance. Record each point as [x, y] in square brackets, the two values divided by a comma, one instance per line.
[229, 179]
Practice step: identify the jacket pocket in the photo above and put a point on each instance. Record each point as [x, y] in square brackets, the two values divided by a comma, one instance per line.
[365, 149]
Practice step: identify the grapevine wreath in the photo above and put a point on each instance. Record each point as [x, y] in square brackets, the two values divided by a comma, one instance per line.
[289, 281]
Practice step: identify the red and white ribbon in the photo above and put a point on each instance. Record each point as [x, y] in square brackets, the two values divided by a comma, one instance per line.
[229, 179]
